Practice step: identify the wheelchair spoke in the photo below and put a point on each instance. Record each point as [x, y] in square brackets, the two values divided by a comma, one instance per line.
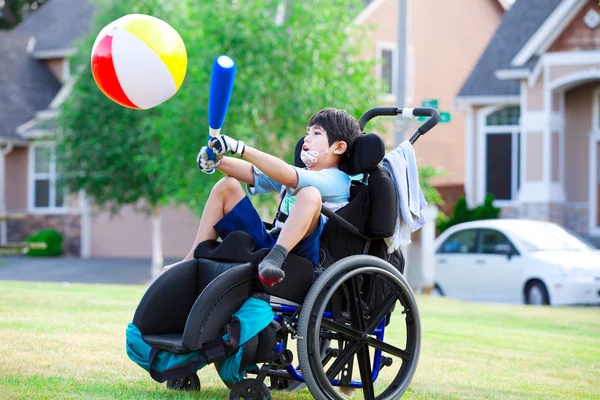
[344, 358]
[356, 310]
[344, 330]
[376, 317]
[388, 348]
[364, 365]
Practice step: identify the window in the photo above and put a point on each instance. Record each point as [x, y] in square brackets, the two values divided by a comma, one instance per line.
[502, 150]
[489, 239]
[387, 70]
[44, 192]
[462, 242]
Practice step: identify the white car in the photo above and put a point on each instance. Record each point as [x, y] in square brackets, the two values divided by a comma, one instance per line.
[516, 261]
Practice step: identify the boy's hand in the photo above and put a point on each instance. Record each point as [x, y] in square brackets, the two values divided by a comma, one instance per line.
[204, 163]
[222, 144]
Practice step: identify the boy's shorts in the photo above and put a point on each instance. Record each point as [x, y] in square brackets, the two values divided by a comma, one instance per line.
[244, 217]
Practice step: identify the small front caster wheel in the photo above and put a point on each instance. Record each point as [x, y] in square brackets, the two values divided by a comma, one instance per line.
[250, 389]
[187, 383]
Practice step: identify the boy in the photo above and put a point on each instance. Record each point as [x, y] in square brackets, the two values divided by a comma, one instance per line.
[330, 136]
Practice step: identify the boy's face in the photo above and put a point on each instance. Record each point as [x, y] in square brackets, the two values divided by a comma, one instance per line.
[316, 143]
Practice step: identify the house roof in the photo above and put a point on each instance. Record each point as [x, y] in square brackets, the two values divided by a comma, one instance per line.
[518, 25]
[56, 25]
[26, 85]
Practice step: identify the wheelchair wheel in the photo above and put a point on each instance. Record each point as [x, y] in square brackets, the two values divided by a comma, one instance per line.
[190, 382]
[250, 389]
[354, 332]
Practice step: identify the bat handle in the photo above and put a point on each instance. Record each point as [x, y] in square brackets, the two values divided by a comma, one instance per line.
[211, 155]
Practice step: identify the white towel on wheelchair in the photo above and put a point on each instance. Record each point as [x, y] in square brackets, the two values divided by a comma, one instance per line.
[401, 163]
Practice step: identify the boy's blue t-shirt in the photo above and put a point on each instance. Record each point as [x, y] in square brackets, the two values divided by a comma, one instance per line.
[332, 183]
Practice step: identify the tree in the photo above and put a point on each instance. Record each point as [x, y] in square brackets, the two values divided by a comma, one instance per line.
[286, 71]
[103, 148]
[13, 11]
[293, 58]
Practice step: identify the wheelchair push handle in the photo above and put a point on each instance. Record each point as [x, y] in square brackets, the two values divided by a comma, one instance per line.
[406, 113]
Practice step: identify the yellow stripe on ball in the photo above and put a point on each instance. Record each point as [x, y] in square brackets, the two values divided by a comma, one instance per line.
[164, 41]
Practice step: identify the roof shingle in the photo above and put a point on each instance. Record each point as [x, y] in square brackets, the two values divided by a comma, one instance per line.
[518, 25]
[57, 24]
[26, 85]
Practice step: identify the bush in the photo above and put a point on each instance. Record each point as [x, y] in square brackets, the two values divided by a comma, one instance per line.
[51, 238]
[461, 213]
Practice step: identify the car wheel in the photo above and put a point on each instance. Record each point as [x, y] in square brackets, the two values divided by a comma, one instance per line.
[536, 294]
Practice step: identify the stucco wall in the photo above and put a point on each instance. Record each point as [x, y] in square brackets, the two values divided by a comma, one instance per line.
[129, 233]
[534, 169]
[16, 179]
[56, 65]
[578, 107]
[447, 43]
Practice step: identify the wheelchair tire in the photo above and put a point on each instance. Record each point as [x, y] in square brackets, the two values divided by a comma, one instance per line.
[356, 335]
[188, 383]
[250, 389]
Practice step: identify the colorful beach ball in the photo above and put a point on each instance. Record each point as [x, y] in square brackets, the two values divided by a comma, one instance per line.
[139, 61]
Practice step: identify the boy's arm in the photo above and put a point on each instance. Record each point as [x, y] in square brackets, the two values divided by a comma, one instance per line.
[238, 169]
[273, 167]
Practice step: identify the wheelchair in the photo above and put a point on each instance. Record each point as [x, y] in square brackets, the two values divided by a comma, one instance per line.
[337, 315]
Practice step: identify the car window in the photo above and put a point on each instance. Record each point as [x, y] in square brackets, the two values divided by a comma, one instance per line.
[462, 242]
[490, 238]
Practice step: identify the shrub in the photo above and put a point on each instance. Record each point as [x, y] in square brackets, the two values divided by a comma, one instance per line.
[51, 238]
[461, 213]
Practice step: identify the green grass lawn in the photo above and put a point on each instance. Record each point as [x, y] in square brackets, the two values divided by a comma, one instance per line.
[67, 342]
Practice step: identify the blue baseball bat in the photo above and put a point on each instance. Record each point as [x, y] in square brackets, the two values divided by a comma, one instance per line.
[221, 86]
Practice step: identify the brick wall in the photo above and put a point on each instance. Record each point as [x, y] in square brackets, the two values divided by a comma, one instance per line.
[69, 226]
[577, 218]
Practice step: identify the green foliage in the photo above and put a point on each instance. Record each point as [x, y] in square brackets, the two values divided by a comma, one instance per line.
[285, 74]
[102, 147]
[51, 238]
[461, 213]
[14, 11]
[426, 175]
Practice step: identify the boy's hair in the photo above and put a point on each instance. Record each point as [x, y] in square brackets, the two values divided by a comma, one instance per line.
[339, 125]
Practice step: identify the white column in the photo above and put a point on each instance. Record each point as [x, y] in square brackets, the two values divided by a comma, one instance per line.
[86, 225]
[428, 248]
[469, 176]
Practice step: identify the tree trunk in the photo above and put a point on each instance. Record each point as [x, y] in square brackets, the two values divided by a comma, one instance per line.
[157, 251]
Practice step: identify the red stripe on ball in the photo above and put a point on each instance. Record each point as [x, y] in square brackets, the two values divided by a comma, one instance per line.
[105, 75]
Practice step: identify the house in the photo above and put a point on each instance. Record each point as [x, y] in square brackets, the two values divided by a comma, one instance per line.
[444, 43]
[533, 115]
[34, 71]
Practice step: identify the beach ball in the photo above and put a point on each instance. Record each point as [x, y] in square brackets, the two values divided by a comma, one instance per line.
[139, 61]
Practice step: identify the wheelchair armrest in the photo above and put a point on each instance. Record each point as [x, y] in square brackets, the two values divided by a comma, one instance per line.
[214, 307]
[342, 222]
[165, 306]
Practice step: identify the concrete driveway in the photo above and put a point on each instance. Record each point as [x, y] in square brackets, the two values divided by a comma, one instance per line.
[73, 269]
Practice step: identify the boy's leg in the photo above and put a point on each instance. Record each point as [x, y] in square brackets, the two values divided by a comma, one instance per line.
[223, 197]
[302, 221]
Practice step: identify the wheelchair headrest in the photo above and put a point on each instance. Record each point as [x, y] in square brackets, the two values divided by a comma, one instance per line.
[366, 154]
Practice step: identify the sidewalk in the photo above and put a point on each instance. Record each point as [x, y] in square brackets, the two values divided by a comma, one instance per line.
[73, 269]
